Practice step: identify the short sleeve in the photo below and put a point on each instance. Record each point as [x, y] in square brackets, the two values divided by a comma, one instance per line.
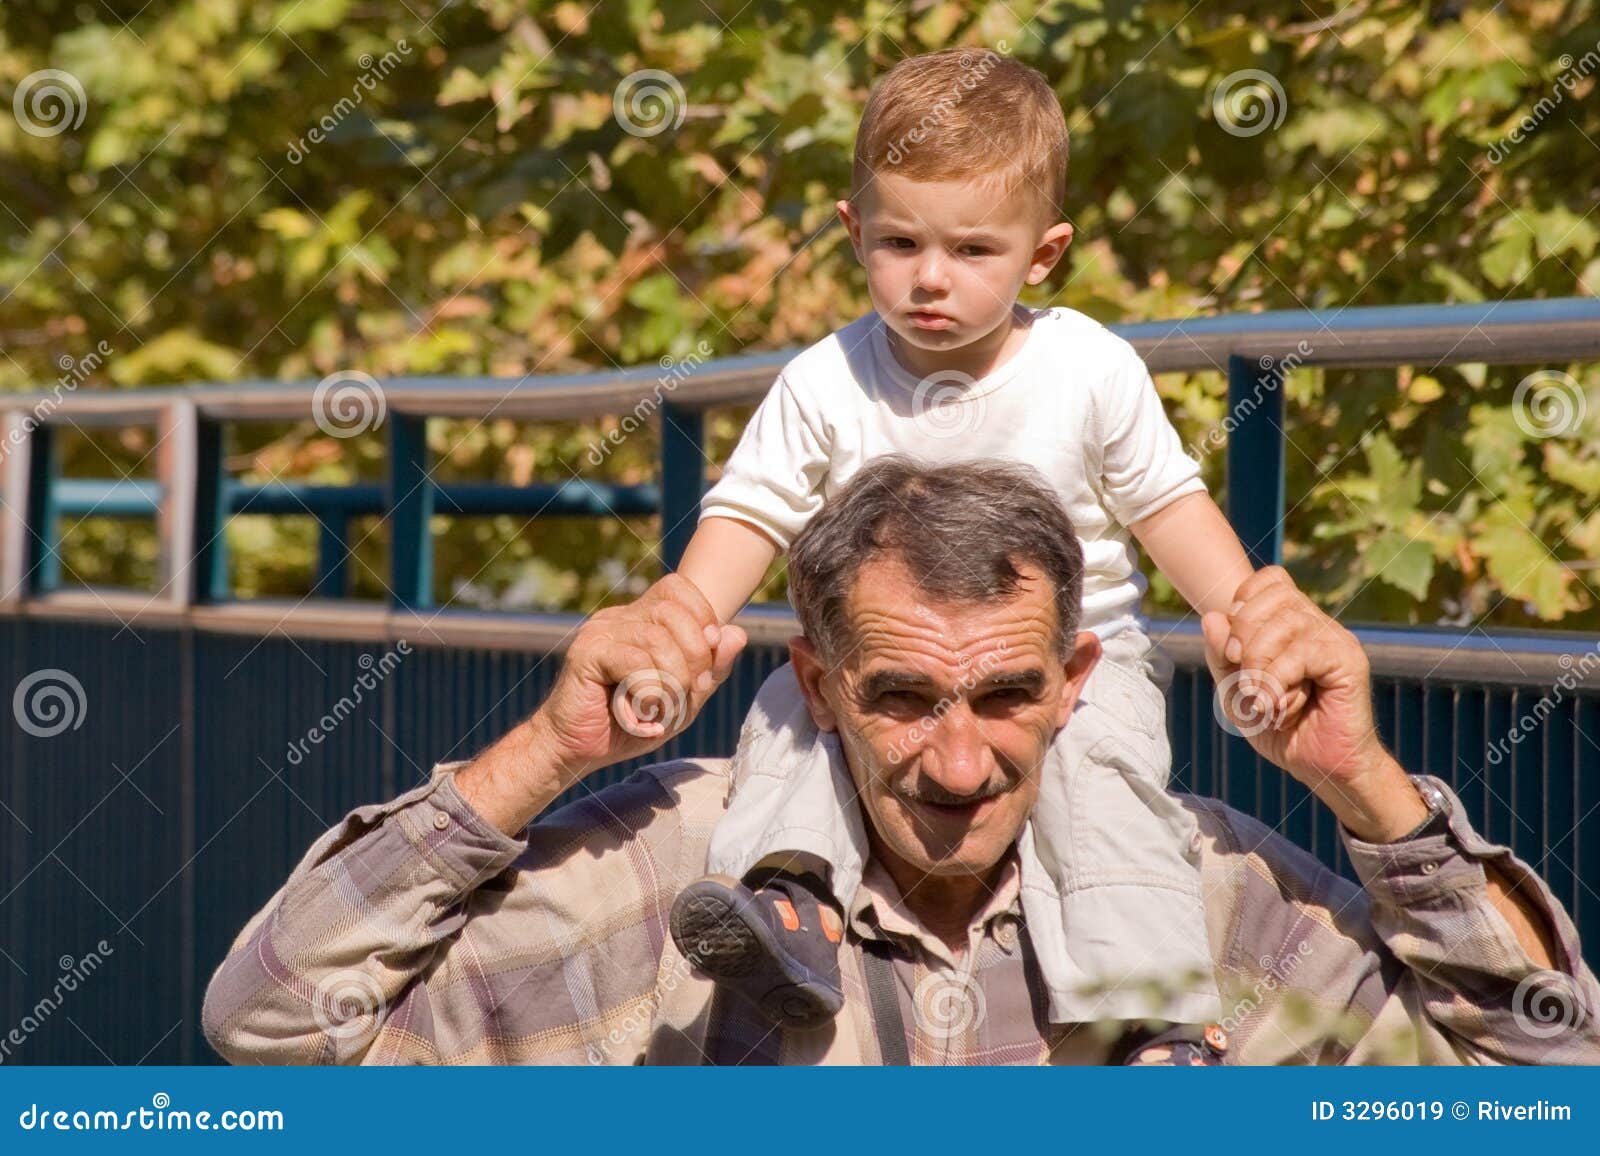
[1143, 463]
[773, 479]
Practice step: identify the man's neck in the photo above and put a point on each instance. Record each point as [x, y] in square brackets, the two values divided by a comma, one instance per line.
[944, 904]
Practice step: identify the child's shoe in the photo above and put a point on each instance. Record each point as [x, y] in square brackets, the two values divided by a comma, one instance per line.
[776, 943]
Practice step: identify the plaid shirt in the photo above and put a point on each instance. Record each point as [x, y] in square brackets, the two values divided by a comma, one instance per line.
[416, 933]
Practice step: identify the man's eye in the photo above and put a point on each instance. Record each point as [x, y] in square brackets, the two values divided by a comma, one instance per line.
[1013, 696]
[899, 700]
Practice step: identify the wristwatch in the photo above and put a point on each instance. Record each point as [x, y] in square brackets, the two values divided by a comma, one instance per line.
[1438, 820]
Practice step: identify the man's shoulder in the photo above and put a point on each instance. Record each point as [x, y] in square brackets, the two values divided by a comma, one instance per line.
[675, 802]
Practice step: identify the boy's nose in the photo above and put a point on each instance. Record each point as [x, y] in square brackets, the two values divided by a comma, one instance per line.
[932, 273]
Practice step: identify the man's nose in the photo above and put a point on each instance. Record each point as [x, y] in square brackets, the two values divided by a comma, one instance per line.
[957, 755]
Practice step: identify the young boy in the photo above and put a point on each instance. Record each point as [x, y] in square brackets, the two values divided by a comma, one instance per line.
[959, 175]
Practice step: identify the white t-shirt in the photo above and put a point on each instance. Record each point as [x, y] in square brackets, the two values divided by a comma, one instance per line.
[1076, 403]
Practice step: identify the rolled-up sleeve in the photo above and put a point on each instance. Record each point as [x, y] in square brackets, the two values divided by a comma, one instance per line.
[1143, 464]
[1430, 904]
[773, 479]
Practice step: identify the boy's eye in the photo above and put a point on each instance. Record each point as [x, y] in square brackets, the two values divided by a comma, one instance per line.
[975, 250]
[897, 242]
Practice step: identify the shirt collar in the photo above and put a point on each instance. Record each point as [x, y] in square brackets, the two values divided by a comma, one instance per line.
[878, 909]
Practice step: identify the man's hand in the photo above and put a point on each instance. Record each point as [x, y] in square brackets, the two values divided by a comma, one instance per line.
[634, 677]
[1273, 641]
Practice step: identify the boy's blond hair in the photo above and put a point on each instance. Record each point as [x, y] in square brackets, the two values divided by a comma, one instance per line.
[966, 112]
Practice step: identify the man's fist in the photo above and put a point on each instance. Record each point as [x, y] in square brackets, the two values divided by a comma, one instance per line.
[636, 676]
[1292, 680]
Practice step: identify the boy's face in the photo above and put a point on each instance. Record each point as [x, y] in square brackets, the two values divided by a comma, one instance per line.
[945, 260]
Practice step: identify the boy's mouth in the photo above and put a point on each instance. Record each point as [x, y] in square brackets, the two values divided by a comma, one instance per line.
[926, 319]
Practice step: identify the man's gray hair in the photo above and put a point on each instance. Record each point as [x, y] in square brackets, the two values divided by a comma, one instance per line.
[962, 530]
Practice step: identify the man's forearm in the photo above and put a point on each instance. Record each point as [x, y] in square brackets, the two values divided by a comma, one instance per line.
[515, 779]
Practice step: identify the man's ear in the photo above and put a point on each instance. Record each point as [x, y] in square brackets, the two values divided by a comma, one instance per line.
[1078, 666]
[810, 671]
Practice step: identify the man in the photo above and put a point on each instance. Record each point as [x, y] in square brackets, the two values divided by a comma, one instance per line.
[442, 928]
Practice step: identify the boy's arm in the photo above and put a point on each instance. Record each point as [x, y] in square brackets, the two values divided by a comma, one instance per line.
[1191, 542]
[727, 559]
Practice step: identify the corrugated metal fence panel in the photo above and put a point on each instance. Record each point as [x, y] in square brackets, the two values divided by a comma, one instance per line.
[226, 787]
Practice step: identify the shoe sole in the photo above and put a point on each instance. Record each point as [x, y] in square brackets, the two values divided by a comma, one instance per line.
[718, 931]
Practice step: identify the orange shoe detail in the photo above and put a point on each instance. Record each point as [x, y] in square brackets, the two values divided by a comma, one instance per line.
[831, 927]
[787, 913]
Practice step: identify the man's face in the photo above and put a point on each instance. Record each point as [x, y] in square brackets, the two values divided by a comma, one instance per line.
[944, 712]
[946, 259]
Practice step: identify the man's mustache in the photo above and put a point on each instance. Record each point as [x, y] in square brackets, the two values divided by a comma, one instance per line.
[922, 789]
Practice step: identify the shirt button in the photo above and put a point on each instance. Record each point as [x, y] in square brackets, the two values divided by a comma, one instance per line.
[1429, 868]
[1006, 934]
[441, 820]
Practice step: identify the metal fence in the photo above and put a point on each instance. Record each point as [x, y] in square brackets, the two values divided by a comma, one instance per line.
[182, 783]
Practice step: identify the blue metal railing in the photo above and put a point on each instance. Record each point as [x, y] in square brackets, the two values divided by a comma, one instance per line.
[171, 814]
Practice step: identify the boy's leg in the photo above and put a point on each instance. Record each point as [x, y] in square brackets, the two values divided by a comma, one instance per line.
[766, 921]
[1111, 880]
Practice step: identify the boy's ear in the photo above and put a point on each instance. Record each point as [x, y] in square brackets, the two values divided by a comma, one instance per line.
[809, 672]
[852, 223]
[1050, 249]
